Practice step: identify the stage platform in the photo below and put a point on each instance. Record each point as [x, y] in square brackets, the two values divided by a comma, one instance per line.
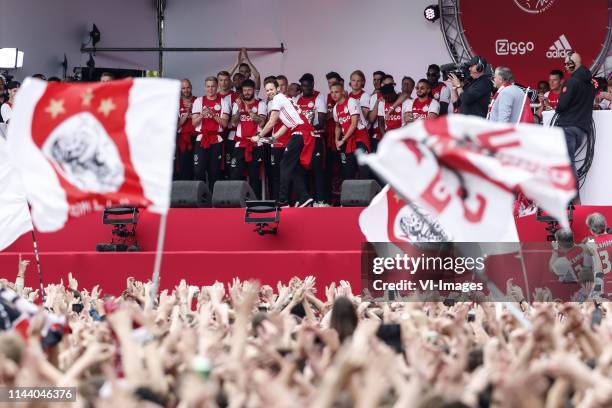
[204, 245]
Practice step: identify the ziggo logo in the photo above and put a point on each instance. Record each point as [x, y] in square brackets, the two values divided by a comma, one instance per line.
[506, 47]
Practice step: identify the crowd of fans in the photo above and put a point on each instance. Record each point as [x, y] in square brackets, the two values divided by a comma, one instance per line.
[245, 345]
[238, 130]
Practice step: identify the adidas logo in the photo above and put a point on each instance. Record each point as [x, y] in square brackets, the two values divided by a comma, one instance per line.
[559, 49]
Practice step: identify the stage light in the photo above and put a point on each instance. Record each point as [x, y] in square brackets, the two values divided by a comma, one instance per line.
[11, 58]
[432, 13]
[124, 221]
[263, 224]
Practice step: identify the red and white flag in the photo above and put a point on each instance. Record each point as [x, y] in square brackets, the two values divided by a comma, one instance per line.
[14, 213]
[389, 219]
[81, 147]
[526, 115]
[465, 171]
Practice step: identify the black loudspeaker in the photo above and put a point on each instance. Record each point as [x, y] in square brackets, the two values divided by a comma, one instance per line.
[232, 194]
[189, 194]
[358, 193]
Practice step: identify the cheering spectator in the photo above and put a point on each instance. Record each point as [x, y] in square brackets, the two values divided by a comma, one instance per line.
[508, 100]
[473, 95]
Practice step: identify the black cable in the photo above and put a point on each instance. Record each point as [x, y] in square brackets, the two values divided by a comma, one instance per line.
[589, 145]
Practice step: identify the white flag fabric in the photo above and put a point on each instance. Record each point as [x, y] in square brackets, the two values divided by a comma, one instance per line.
[466, 170]
[389, 219]
[81, 147]
[14, 213]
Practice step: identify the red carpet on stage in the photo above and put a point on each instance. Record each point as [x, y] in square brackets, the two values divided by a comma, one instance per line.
[204, 245]
[201, 246]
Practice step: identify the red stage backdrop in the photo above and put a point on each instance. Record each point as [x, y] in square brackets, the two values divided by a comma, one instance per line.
[532, 36]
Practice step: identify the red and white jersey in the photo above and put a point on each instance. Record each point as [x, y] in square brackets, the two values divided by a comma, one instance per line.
[6, 110]
[375, 97]
[604, 249]
[343, 112]
[187, 127]
[363, 101]
[289, 113]
[247, 127]
[311, 106]
[420, 109]
[395, 118]
[553, 98]
[219, 106]
[569, 264]
[441, 92]
[230, 132]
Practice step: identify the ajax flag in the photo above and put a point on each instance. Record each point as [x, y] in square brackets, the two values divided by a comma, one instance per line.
[466, 171]
[81, 147]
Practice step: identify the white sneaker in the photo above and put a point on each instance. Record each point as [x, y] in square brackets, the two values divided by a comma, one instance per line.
[307, 203]
[321, 204]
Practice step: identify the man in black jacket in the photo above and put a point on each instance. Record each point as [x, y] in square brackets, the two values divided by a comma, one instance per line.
[474, 99]
[575, 106]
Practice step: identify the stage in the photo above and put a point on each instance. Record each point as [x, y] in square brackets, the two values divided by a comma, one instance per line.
[204, 245]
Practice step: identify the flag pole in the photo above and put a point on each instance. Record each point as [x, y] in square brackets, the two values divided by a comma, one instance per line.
[42, 288]
[158, 259]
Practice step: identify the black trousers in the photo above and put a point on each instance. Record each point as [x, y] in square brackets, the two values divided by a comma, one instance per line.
[291, 171]
[350, 166]
[207, 163]
[228, 151]
[184, 165]
[239, 164]
[276, 156]
[317, 169]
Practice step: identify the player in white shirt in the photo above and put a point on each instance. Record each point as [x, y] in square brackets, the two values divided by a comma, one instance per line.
[298, 154]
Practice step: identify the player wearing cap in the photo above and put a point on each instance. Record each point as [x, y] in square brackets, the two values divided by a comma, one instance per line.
[247, 114]
[210, 116]
[423, 106]
[298, 155]
[313, 106]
